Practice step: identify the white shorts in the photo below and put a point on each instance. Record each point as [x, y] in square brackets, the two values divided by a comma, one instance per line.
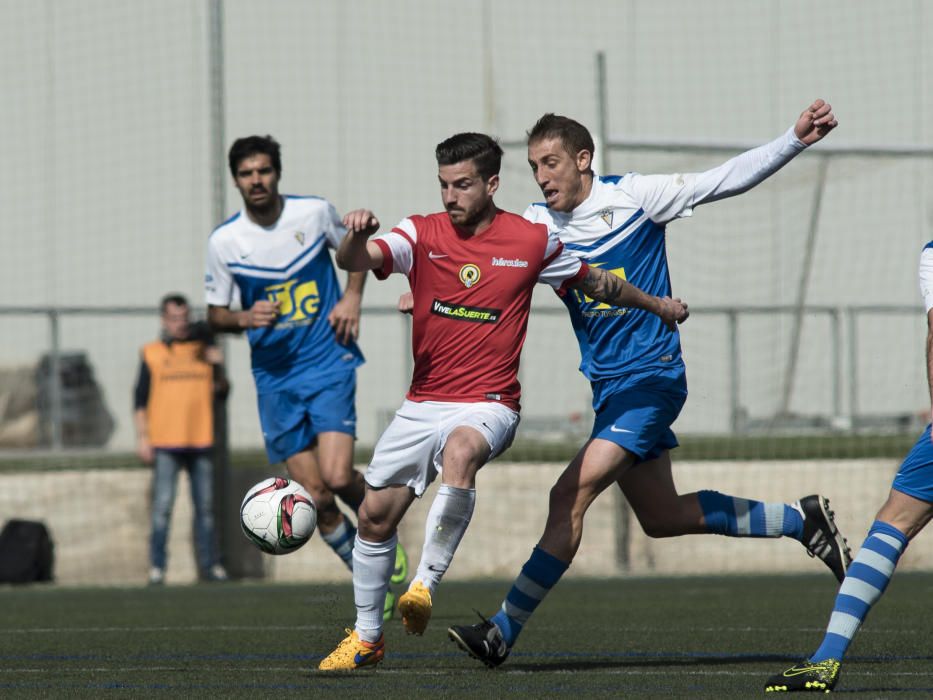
[409, 451]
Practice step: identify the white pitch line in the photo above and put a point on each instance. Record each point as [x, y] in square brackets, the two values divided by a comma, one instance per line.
[187, 628]
[318, 628]
[439, 672]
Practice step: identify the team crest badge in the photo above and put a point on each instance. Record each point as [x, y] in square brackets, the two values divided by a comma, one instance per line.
[469, 275]
[606, 215]
[300, 237]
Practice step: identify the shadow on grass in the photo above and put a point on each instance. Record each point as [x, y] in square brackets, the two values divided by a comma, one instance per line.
[544, 663]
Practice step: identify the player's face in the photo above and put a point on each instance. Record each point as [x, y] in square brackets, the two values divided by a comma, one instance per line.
[258, 182]
[467, 197]
[559, 174]
[175, 321]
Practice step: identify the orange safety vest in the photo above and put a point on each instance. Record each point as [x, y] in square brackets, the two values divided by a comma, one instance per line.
[181, 389]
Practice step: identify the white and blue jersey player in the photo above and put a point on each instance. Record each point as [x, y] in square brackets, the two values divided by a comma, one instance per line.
[269, 271]
[305, 378]
[635, 365]
[907, 510]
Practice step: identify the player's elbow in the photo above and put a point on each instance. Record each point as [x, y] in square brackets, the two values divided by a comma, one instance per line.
[341, 259]
[346, 260]
[214, 318]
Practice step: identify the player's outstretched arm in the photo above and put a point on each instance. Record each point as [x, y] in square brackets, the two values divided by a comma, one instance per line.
[741, 173]
[606, 287]
[356, 253]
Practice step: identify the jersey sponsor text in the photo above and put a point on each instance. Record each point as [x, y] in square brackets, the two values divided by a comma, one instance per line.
[459, 312]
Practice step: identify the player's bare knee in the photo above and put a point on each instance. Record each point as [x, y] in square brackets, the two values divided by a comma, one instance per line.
[462, 457]
[338, 481]
[562, 498]
[374, 527]
[658, 529]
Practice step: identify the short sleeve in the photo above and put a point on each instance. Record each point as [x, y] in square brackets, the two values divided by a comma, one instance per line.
[398, 248]
[559, 268]
[218, 282]
[926, 276]
[334, 230]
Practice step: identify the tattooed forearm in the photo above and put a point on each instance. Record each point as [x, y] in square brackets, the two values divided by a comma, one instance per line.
[606, 287]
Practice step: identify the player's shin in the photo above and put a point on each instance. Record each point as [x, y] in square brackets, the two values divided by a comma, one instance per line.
[447, 521]
[340, 539]
[865, 581]
[743, 517]
[538, 576]
[372, 566]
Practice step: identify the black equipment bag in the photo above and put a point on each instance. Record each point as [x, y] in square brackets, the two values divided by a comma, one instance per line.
[25, 552]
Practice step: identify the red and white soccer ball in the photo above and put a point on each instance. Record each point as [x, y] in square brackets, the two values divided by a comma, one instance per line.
[278, 515]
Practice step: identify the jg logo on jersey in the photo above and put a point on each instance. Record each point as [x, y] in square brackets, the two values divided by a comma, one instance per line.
[298, 302]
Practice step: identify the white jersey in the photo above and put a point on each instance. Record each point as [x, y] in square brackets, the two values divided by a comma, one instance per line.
[288, 262]
[926, 276]
[611, 229]
[621, 228]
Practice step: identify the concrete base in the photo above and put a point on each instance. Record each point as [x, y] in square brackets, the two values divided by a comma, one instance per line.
[99, 521]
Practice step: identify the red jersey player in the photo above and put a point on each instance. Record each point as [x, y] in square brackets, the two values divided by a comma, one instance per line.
[472, 270]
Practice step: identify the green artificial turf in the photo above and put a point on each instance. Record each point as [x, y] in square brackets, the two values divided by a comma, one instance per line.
[676, 637]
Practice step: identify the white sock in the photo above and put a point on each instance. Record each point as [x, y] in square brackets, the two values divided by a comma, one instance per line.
[373, 563]
[447, 522]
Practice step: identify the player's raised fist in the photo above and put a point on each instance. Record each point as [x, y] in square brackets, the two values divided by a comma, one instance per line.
[815, 122]
[361, 221]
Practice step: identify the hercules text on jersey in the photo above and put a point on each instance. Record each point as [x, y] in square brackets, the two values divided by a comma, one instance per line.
[472, 295]
[288, 262]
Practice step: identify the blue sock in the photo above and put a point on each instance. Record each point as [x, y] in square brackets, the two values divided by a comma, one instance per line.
[742, 517]
[538, 576]
[341, 541]
[865, 581]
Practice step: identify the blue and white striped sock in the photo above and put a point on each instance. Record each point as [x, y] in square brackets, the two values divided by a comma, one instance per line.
[743, 517]
[865, 581]
[538, 576]
[341, 541]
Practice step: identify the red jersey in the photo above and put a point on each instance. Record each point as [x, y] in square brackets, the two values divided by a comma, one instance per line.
[472, 295]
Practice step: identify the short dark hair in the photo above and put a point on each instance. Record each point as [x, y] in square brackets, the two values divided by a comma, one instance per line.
[483, 150]
[573, 136]
[251, 145]
[172, 298]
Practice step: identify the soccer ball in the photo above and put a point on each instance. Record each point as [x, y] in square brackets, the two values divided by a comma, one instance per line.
[278, 515]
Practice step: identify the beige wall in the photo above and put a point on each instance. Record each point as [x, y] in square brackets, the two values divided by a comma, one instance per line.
[100, 524]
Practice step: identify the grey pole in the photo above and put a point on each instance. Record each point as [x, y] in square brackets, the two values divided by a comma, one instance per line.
[802, 287]
[734, 373]
[602, 125]
[55, 378]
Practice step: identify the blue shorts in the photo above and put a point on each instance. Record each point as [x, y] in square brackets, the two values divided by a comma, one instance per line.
[915, 477]
[636, 412]
[292, 418]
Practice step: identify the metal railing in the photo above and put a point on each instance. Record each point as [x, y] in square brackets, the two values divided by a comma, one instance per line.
[843, 350]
